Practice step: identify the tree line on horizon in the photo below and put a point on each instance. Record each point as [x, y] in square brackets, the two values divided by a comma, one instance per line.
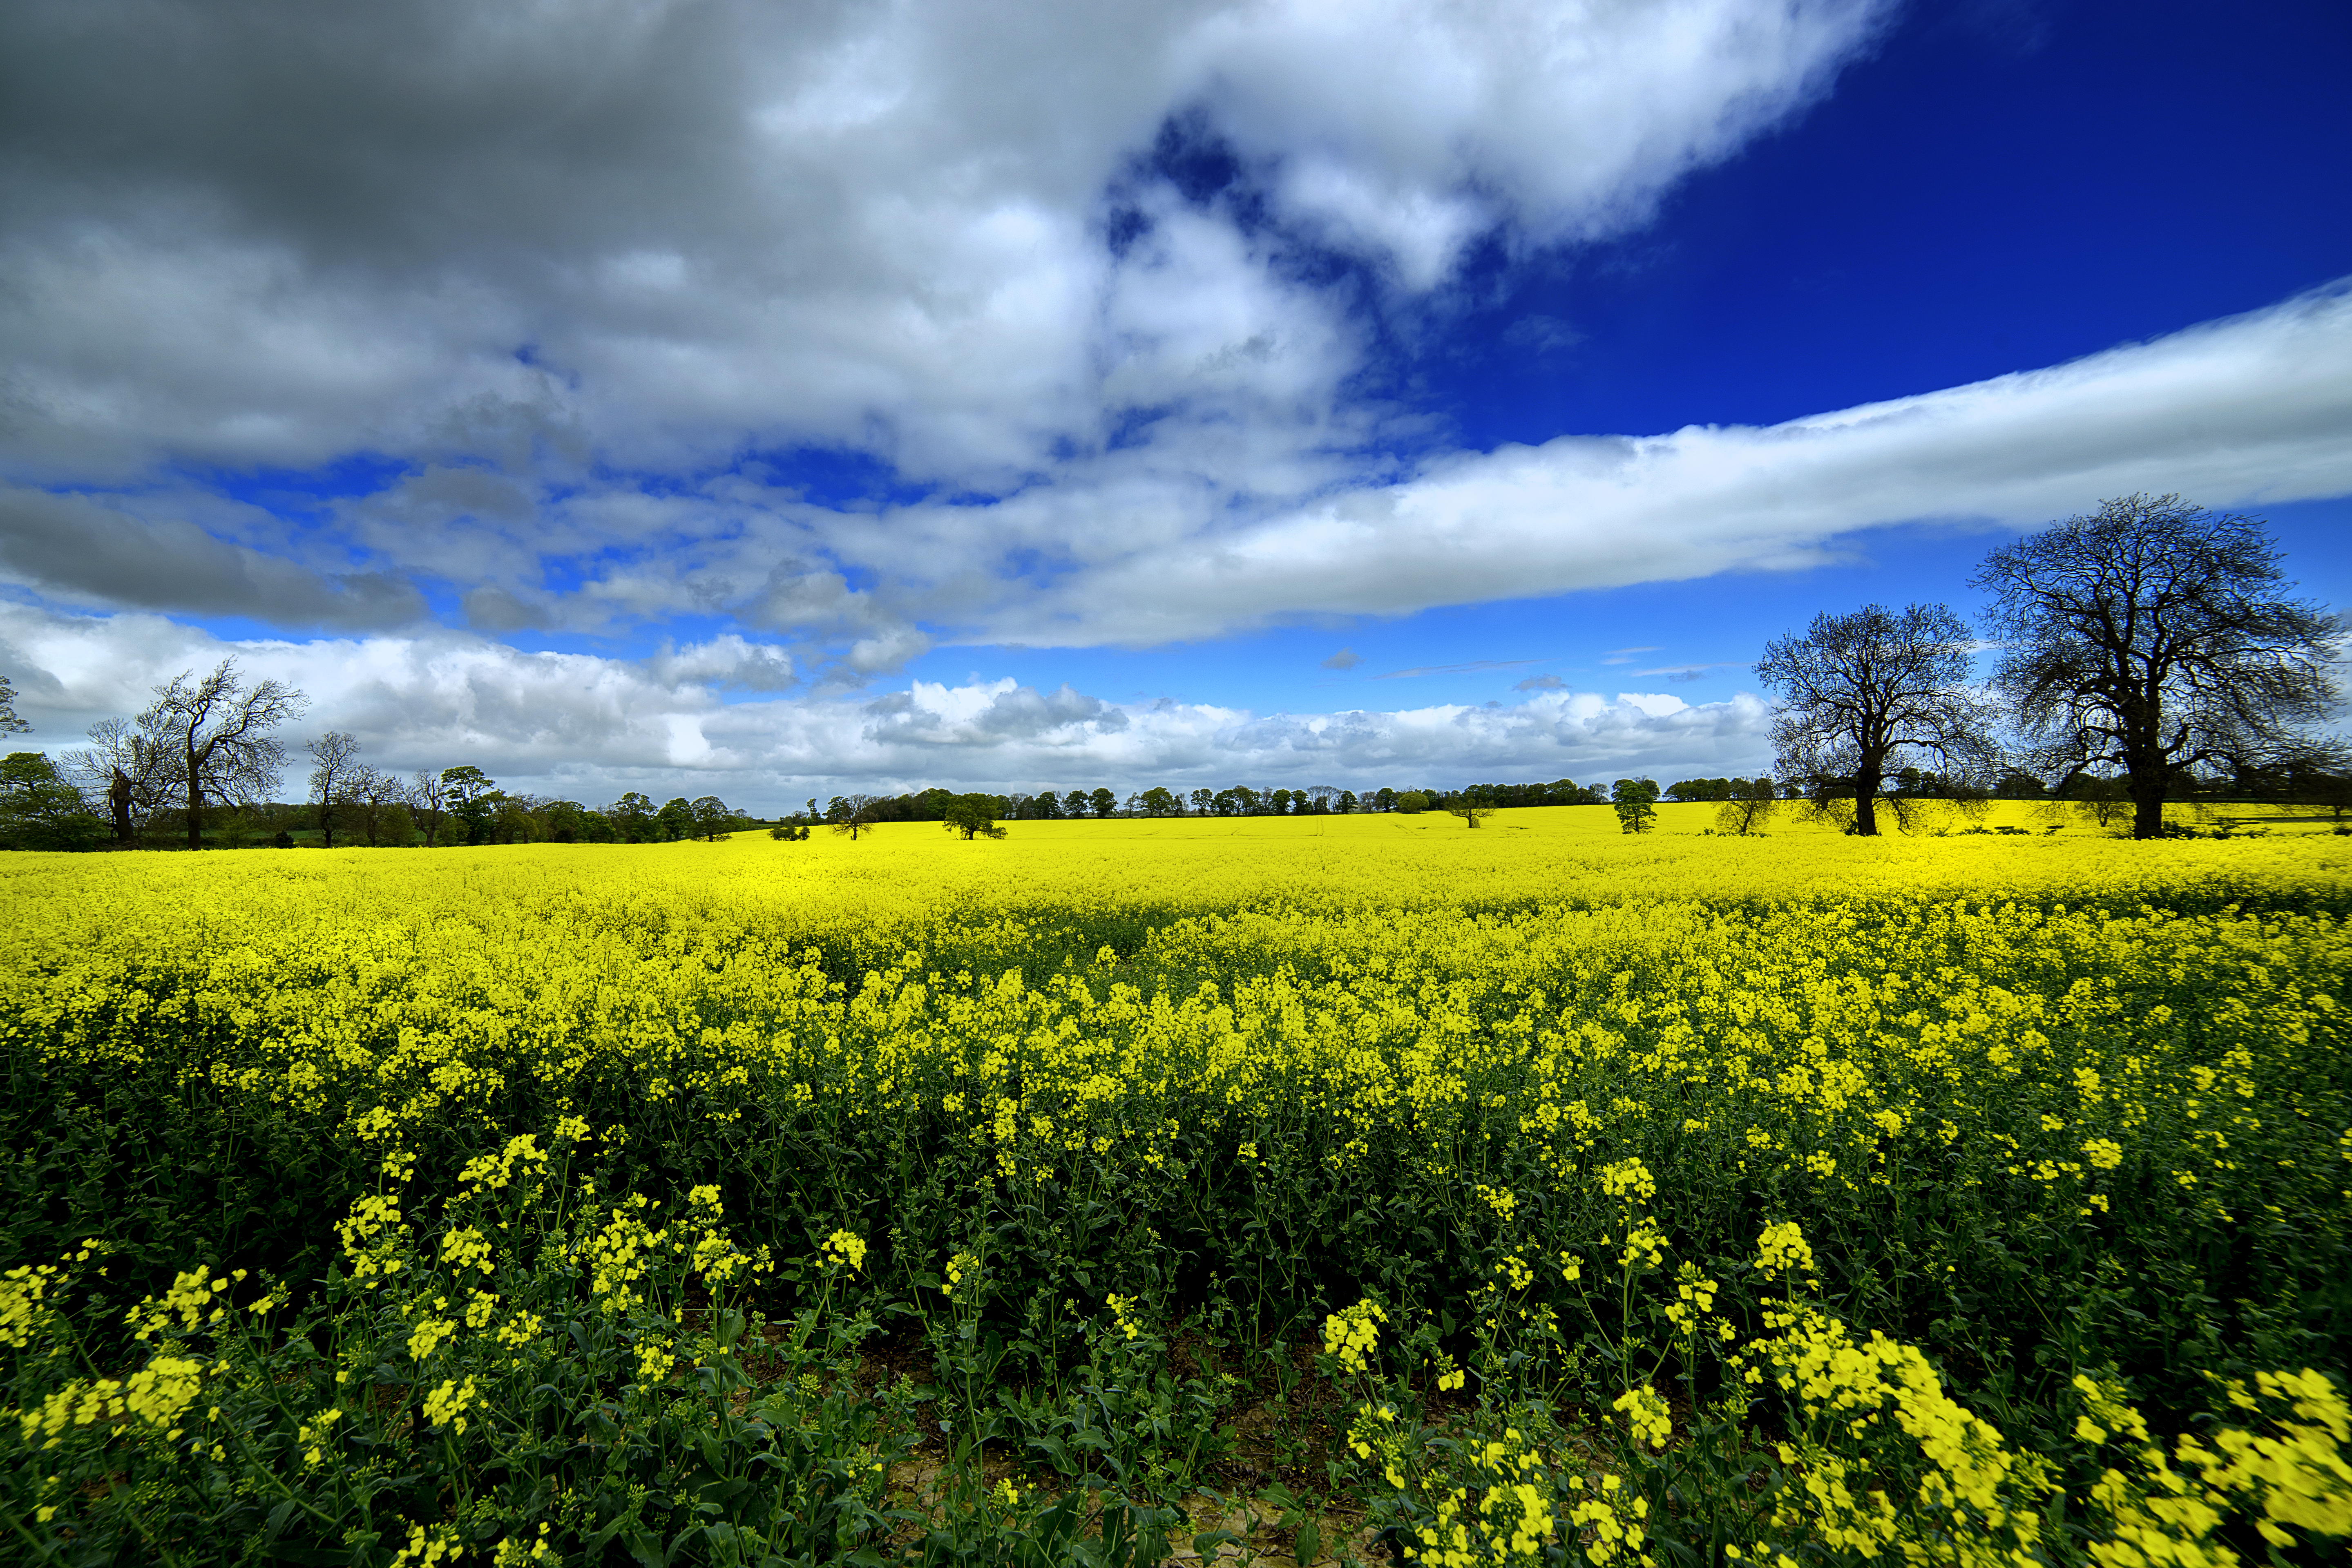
[2147, 654]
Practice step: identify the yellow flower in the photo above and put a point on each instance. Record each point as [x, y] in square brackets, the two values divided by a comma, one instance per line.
[844, 1246]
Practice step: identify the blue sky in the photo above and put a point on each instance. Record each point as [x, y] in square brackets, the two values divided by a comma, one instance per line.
[703, 400]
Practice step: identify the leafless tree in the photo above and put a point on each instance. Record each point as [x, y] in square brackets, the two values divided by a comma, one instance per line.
[125, 767]
[1864, 693]
[2150, 637]
[217, 733]
[428, 801]
[335, 767]
[374, 795]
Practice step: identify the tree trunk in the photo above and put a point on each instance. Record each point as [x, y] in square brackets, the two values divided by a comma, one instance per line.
[195, 803]
[118, 802]
[2147, 810]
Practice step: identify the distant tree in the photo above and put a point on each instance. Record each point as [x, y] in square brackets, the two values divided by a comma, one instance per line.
[428, 802]
[2016, 784]
[237, 827]
[789, 832]
[632, 817]
[9, 724]
[378, 801]
[1748, 805]
[561, 822]
[1412, 801]
[2106, 800]
[1103, 801]
[1347, 802]
[128, 769]
[334, 765]
[220, 736]
[853, 814]
[1472, 809]
[1636, 801]
[1386, 800]
[712, 818]
[1864, 693]
[1203, 802]
[469, 803]
[675, 820]
[974, 817]
[2153, 638]
[514, 818]
[40, 810]
[1159, 801]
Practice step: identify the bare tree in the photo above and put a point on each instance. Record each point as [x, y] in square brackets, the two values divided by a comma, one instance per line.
[127, 768]
[2150, 637]
[335, 767]
[217, 733]
[378, 799]
[427, 801]
[1864, 694]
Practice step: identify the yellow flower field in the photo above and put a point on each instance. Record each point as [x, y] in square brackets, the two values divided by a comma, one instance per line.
[1514, 1106]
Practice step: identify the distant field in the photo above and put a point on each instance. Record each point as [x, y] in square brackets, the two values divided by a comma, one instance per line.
[1369, 1185]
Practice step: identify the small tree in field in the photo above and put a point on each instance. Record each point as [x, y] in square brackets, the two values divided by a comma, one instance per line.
[1865, 694]
[1749, 806]
[1471, 807]
[1636, 801]
[972, 816]
[853, 814]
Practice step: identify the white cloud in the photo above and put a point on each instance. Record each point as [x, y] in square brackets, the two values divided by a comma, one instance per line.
[2242, 411]
[290, 232]
[563, 267]
[588, 728]
[562, 264]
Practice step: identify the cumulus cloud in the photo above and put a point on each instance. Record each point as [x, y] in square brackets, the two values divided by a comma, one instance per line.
[589, 728]
[281, 232]
[579, 271]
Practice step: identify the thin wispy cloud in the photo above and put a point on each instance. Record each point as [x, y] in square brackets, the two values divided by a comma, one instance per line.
[1471, 667]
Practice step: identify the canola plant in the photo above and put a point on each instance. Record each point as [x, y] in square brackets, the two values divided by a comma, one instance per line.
[1527, 1192]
